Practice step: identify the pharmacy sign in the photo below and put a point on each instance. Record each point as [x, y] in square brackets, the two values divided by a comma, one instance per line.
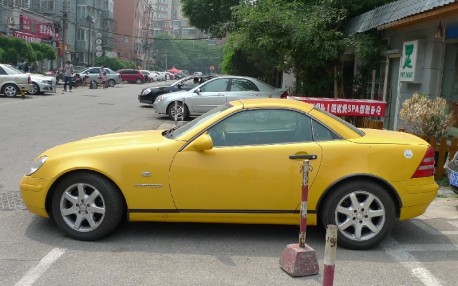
[408, 61]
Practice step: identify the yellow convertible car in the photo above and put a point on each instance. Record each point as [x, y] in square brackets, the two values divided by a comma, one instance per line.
[238, 163]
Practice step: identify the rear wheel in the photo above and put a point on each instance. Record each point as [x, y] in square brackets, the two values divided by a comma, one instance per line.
[10, 90]
[87, 206]
[139, 80]
[363, 211]
[454, 189]
[177, 109]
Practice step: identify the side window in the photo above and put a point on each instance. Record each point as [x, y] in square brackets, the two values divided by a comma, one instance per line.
[243, 85]
[321, 133]
[2, 71]
[217, 85]
[262, 127]
[94, 70]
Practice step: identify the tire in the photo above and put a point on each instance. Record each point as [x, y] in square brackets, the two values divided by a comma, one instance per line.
[454, 189]
[87, 206]
[138, 81]
[182, 111]
[10, 90]
[35, 89]
[360, 227]
[111, 83]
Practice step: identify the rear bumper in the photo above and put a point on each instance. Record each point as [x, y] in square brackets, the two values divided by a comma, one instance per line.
[416, 195]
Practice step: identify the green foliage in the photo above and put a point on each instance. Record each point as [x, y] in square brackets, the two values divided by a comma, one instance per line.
[114, 63]
[305, 37]
[191, 55]
[212, 16]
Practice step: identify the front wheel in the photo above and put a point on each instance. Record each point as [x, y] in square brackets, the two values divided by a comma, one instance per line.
[139, 81]
[363, 211]
[35, 89]
[111, 83]
[178, 110]
[87, 206]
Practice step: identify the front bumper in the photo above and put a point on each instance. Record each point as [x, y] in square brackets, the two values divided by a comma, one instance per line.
[34, 192]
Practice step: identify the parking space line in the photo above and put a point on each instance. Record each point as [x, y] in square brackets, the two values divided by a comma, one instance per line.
[453, 222]
[33, 274]
[425, 227]
[399, 253]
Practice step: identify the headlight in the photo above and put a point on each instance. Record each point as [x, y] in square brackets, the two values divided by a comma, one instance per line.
[36, 165]
[159, 98]
[146, 91]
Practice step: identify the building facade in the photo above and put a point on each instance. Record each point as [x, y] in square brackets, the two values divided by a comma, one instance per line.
[134, 23]
[422, 55]
[80, 30]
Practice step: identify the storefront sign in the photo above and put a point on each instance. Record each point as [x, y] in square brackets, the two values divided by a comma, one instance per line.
[37, 28]
[28, 37]
[346, 107]
[408, 61]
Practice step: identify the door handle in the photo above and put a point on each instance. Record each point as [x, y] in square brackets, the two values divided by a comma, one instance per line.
[303, 156]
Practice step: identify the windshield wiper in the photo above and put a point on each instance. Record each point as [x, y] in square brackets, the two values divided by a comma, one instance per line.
[169, 132]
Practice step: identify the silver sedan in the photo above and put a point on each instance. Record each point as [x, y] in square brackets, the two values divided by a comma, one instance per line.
[212, 93]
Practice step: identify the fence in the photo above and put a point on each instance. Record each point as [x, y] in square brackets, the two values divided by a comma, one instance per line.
[445, 149]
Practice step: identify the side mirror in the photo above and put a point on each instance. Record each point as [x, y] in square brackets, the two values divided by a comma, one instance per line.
[203, 143]
[197, 91]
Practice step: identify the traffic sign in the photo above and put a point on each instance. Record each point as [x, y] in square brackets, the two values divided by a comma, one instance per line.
[98, 41]
[98, 54]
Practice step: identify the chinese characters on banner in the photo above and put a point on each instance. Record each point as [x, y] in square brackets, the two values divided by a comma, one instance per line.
[347, 107]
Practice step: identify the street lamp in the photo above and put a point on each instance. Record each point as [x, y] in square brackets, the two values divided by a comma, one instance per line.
[90, 20]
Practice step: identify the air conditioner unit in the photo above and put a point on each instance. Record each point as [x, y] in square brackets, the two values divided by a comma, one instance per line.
[9, 20]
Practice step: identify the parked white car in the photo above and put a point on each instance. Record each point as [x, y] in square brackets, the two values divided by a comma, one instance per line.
[154, 75]
[12, 81]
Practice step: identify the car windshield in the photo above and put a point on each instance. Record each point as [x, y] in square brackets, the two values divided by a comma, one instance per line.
[176, 132]
[12, 69]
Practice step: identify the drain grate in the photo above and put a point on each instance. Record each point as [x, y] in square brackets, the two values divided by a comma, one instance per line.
[11, 201]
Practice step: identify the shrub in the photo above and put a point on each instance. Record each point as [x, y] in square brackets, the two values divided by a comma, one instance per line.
[425, 117]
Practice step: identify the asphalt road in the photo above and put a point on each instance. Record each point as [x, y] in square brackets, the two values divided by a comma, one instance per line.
[422, 251]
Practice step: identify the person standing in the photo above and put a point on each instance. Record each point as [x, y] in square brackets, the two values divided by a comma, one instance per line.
[68, 74]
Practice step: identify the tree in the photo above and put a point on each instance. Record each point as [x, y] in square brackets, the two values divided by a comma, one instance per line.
[192, 55]
[303, 36]
[211, 16]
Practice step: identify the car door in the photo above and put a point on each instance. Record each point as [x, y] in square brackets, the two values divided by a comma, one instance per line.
[93, 74]
[250, 169]
[208, 96]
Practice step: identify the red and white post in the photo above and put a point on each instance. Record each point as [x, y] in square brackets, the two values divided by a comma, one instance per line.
[330, 255]
[300, 259]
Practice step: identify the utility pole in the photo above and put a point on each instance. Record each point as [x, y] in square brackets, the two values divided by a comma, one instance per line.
[64, 32]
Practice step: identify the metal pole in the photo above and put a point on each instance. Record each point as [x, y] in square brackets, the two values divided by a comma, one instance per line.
[305, 191]
[330, 255]
[64, 33]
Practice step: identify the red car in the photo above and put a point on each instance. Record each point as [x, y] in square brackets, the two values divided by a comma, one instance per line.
[132, 75]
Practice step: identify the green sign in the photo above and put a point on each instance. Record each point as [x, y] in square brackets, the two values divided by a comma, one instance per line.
[408, 61]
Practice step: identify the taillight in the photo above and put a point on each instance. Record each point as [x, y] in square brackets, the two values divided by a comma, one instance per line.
[29, 80]
[284, 95]
[426, 167]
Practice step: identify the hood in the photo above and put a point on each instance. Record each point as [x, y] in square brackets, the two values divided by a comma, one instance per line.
[110, 142]
[376, 136]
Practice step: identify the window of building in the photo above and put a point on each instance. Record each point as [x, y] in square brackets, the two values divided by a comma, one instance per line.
[81, 34]
[450, 75]
[47, 5]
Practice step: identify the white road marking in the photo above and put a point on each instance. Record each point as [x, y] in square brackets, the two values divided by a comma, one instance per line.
[453, 222]
[425, 227]
[33, 274]
[401, 255]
